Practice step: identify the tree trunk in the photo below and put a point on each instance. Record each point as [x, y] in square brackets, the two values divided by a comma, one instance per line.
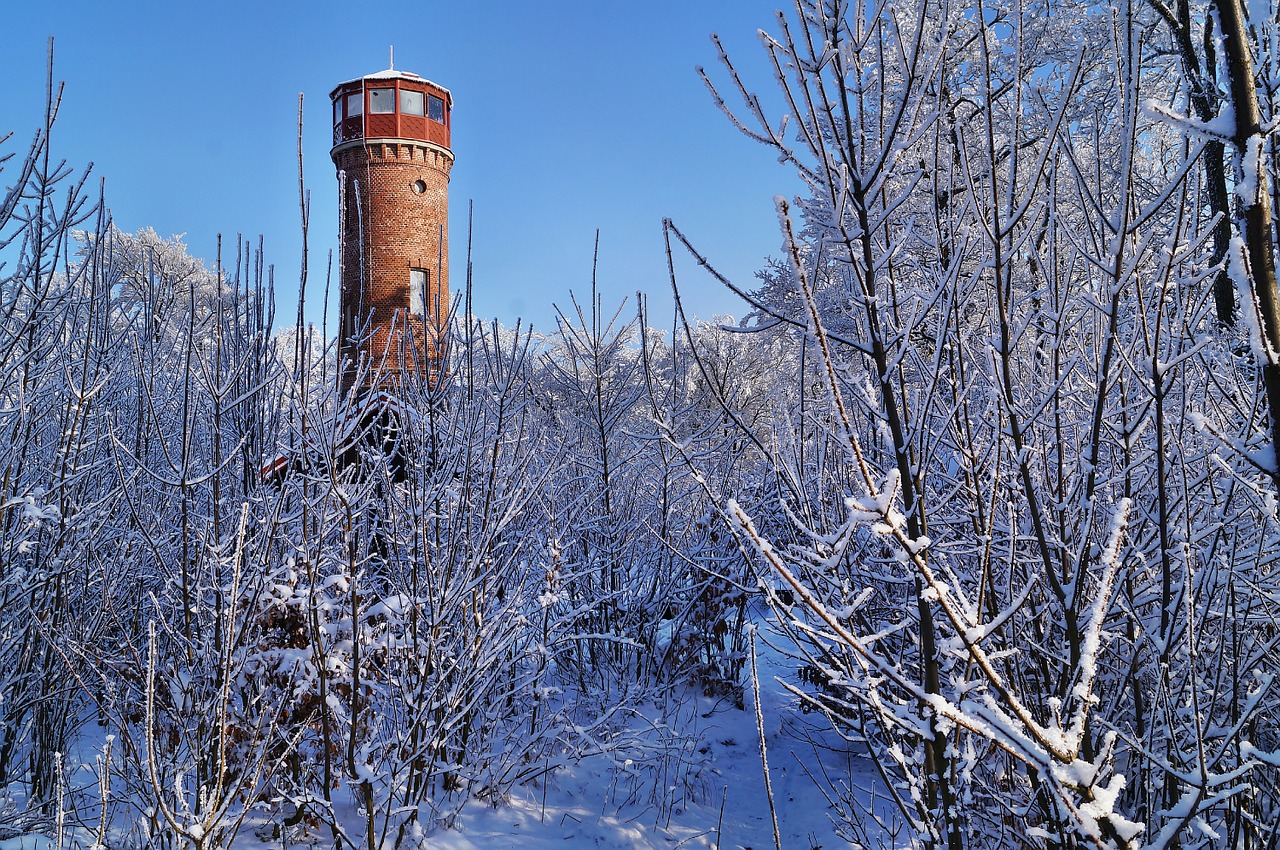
[1255, 201]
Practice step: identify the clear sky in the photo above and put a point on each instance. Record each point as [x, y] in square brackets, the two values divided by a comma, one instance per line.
[569, 116]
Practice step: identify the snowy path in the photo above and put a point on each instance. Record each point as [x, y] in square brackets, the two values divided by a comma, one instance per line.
[585, 808]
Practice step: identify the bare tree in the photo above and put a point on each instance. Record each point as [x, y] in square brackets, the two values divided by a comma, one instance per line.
[1047, 454]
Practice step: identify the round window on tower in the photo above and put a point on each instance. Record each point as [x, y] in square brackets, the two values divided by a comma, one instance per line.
[419, 187]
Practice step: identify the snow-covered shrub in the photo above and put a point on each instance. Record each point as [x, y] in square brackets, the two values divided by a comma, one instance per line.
[56, 482]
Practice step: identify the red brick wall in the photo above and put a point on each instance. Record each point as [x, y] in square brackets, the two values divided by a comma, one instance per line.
[402, 230]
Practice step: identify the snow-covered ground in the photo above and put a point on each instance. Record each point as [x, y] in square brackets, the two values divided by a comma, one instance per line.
[714, 788]
[718, 800]
[725, 807]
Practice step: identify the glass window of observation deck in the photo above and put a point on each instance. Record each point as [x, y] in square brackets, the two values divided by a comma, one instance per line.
[382, 101]
[410, 102]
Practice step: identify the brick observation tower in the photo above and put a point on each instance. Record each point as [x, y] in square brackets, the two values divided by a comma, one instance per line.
[391, 149]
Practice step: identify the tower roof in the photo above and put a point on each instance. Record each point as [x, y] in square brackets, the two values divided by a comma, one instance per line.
[394, 74]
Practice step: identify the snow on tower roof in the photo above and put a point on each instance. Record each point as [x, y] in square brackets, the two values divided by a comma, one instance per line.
[391, 74]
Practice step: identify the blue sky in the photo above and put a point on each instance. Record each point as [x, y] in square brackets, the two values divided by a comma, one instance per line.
[570, 116]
